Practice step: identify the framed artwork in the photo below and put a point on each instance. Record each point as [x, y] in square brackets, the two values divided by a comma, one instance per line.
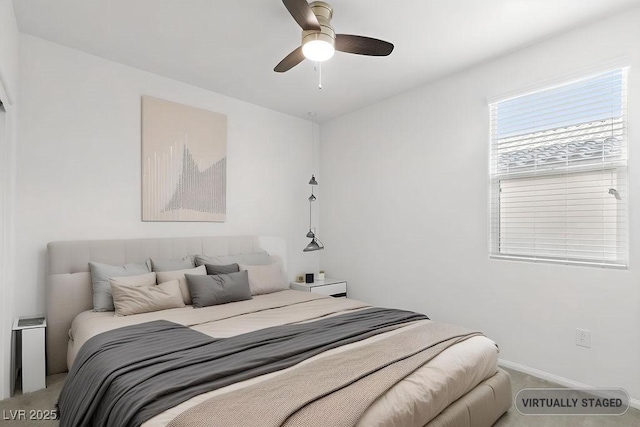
[184, 162]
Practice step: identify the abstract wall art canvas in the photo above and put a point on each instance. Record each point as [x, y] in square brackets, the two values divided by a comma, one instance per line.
[184, 162]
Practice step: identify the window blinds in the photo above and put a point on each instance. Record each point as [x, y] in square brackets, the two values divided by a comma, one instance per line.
[558, 166]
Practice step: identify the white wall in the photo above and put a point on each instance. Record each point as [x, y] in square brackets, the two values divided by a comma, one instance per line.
[79, 162]
[405, 216]
[9, 88]
[8, 49]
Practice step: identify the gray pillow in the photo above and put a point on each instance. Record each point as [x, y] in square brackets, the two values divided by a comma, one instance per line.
[172, 264]
[223, 288]
[214, 270]
[100, 275]
[256, 258]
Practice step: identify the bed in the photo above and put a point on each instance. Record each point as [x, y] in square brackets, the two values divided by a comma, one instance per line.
[460, 385]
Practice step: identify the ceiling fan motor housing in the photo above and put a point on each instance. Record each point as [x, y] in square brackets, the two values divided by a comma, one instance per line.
[324, 13]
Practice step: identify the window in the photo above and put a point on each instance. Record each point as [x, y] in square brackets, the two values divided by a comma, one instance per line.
[558, 166]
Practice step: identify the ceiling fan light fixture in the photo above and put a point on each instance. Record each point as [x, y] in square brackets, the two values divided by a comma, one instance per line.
[318, 50]
[319, 39]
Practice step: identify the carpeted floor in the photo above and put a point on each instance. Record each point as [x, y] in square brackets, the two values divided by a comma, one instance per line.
[41, 400]
[513, 418]
[45, 400]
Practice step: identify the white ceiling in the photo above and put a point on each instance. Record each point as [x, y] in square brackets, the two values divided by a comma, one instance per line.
[231, 47]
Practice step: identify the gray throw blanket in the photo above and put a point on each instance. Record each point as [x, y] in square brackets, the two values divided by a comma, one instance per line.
[128, 375]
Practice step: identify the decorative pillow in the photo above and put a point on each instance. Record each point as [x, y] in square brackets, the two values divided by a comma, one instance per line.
[172, 264]
[165, 276]
[131, 299]
[223, 288]
[264, 279]
[100, 275]
[256, 258]
[214, 270]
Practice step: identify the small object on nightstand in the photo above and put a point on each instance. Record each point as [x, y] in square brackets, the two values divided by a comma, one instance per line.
[320, 276]
[300, 279]
[308, 278]
[333, 287]
[29, 332]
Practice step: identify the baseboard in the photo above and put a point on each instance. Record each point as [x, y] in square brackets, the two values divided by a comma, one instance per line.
[565, 382]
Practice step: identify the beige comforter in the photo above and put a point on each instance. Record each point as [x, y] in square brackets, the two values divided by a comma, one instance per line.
[412, 402]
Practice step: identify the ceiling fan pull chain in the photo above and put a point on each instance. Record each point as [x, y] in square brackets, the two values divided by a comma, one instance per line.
[319, 75]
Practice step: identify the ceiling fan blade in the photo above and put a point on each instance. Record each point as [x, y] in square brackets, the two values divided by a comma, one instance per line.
[303, 14]
[290, 61]
[361, 45]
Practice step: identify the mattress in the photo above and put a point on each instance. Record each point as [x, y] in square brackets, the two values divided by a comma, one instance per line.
[414, 401]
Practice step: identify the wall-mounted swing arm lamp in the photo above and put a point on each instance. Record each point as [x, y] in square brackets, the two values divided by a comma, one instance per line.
[315, 244]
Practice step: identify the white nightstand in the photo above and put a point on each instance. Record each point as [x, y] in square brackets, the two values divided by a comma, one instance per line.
[30, 333]
[334, 287]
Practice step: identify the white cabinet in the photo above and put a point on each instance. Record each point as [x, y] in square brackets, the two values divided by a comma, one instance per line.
[30, 332]
[333, 287]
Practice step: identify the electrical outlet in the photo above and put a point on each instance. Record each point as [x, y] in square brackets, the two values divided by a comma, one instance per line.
[583, 338]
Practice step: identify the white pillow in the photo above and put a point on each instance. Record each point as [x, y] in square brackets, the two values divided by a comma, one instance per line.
[165, 276]
[264, 279]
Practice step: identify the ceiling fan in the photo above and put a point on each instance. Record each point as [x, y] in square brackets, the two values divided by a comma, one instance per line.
[320, 41]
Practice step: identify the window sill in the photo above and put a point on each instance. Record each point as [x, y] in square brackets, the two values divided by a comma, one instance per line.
[605, 264]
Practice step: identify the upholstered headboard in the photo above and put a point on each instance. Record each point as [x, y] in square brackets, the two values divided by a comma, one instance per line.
[69, 290]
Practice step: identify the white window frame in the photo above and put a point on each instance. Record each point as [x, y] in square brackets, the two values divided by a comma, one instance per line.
[620, 169]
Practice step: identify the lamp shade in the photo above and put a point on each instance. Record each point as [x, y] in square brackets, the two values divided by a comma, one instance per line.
[313, 246]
